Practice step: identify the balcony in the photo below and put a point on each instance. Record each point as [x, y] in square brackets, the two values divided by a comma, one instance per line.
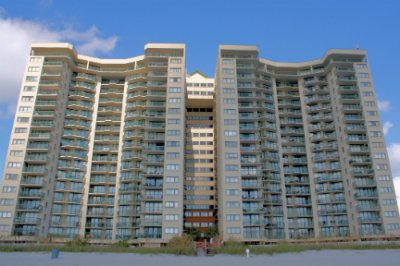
[40, 135]
[31, 193]
[366, 195]
[29, 207]
[362, 171]
[370, 219]
[26, 220]
[328, 178]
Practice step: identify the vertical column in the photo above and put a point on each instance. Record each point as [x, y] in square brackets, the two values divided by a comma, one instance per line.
[174, 148]
[230, 214]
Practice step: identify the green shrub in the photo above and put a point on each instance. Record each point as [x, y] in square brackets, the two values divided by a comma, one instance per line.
[181, 245]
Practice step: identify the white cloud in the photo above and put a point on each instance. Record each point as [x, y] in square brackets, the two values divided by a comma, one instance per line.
[394, 156]
[386, 127]
[396, 182]
[384, 106]
[15, 40]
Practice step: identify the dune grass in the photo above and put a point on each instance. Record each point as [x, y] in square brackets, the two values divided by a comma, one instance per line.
[184, 246]
[178, 245]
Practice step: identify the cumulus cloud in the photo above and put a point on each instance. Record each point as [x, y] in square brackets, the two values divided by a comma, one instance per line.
[15, 40]
[396, 182]
[394, 156]
[384, 106]
[386, 127]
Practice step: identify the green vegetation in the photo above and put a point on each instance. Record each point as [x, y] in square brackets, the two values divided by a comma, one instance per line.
[181, 245]
[184, 246]
[178, 245]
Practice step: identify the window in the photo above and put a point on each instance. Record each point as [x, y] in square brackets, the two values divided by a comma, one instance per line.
[382, 166]
[9, 189]
[388, 202]
[229, 111]
[171, 191]
[173, 132]
[228, 70]
[232, 217]
[227, 61]
[367, 93]
[11, 176]
[16, 153]
[232, 204]
[378, 144]
[172, 179]
[232, 192]
[231, 167]
[233, 230]
[27, 98]
[228, 81]
[175, 80]
[31, 78]
[361, 66]
[370, 103]
[174, 110]
[390, 213]
[228, 90]
[18, 141]
[379, 156]
[386, 189]
[393, 226]
[175, 70]
[365, 84]
[35, 59]
[173, 167]
[171, 204]
[25, 109]
[29, 88]
[14, 165]
[171, 230]
[230, 133]
[229, 100]
[231, 155]
[33, 69]
[4, 227]
[384, 178]
[175, 89]
[373, 123]
[231, 144]
[231, 179]
[175, 61]
[173, 155]
[173, 143]
[6, 202]
[20, 130]
[229, 122]
[171, 217]
[5, 214]
[21, 119]
[372, 113]
[375, 134]
[363, 75]
[174, 121]
[174, 100]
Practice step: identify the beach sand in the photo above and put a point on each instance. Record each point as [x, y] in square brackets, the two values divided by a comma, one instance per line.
[308, 258]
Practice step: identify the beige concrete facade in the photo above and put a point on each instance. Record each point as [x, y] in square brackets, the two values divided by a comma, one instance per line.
[111, 149]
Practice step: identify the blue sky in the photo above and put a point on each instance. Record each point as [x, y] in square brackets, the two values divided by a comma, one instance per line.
[283, 30]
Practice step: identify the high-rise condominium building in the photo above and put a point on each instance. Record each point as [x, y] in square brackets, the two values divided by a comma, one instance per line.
[111, 149]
